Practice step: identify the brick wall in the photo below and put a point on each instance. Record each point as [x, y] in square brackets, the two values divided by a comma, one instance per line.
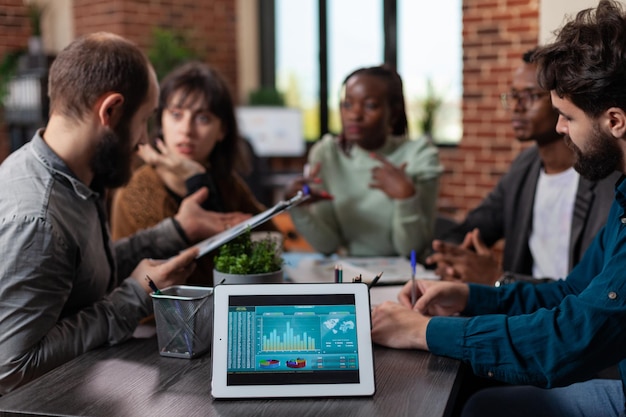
[209, 25]
[14, 34]
[495, 35]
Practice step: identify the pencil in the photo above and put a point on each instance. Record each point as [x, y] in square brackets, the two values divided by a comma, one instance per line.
[375, 280]
[152, 285]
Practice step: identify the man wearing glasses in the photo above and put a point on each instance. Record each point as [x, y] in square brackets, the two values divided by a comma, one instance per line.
[546, 213]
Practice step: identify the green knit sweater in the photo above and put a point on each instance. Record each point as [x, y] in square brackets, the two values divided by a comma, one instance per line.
[365, 221]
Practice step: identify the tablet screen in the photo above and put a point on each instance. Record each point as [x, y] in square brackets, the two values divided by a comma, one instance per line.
[309, 339]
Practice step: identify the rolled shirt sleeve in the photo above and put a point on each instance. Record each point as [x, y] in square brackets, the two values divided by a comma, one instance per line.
[537, 340]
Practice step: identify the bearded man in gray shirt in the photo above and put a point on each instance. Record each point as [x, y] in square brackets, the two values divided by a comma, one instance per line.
[64, 287]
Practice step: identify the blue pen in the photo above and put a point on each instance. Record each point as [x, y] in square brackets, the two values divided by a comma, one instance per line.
[413, 283]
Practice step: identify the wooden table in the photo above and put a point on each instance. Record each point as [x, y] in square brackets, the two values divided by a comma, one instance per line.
[133, 380]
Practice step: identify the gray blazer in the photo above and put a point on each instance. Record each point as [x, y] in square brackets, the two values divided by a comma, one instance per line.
[507, 212]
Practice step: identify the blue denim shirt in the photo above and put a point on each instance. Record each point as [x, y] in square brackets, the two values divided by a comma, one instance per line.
[62, 290]
[550, 334]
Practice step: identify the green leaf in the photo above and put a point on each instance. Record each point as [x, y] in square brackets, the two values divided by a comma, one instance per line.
[242, 256]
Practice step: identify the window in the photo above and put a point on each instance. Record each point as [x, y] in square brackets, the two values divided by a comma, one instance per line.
[297, 64]
[430, 54]
[355, 39]
[319, 42]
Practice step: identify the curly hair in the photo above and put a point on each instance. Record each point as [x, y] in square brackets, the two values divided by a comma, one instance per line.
[587, 62]
[395, 94]
[196, 78]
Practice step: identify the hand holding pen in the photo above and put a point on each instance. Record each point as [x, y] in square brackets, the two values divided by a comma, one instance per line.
[413, 283]
[306, 183]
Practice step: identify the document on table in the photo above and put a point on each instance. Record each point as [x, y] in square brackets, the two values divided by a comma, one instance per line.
[379, 295]
[315, 268]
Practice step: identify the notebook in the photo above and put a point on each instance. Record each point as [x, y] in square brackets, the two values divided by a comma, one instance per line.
[292, 340]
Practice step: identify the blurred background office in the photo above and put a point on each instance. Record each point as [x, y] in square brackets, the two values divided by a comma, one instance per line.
[456, 57]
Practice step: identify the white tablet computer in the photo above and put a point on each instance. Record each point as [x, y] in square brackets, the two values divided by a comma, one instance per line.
[292, 340]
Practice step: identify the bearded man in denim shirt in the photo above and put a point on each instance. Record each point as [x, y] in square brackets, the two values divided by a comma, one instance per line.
[559, 334]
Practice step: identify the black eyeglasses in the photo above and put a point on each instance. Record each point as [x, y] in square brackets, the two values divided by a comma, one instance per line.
[526, 98]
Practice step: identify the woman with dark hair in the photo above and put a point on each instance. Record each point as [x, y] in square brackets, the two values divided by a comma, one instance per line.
[198, 145]
[379, 188]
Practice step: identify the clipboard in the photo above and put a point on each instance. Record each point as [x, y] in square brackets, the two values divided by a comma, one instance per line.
[227, 235]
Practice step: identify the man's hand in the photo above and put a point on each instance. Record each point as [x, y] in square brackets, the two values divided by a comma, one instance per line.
[436, 298]
[441, 298]
[200, 224]
[390, 179]
[397, 326]
[472, 261]
[165, 273]
[173, 167]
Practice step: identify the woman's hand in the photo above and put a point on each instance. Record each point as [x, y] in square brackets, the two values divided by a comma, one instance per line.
[174, 169]
[307, 183]
[390, 179]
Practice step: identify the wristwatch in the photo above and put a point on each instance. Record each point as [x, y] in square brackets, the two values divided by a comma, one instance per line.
[506, 278]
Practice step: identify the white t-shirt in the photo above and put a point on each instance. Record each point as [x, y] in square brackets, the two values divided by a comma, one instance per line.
[552, 223]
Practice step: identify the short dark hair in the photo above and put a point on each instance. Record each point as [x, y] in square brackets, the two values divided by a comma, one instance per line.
[395, 94]
[196, 78]
[587, 62]
[93, 65]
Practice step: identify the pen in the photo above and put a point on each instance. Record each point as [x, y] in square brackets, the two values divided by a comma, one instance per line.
[375, 280]
[306, 172]
[340, 275]
[152, 285]
[413, 284]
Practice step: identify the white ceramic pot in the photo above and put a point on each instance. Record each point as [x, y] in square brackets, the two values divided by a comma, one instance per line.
[265, 278]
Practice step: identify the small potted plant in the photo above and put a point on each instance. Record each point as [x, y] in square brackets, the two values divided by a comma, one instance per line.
[245, 260]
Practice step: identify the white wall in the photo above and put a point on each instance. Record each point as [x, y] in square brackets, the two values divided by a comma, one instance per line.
[554, 13]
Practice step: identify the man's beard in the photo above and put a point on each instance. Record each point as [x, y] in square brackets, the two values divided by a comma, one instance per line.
[602, 157]
[111, 163]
